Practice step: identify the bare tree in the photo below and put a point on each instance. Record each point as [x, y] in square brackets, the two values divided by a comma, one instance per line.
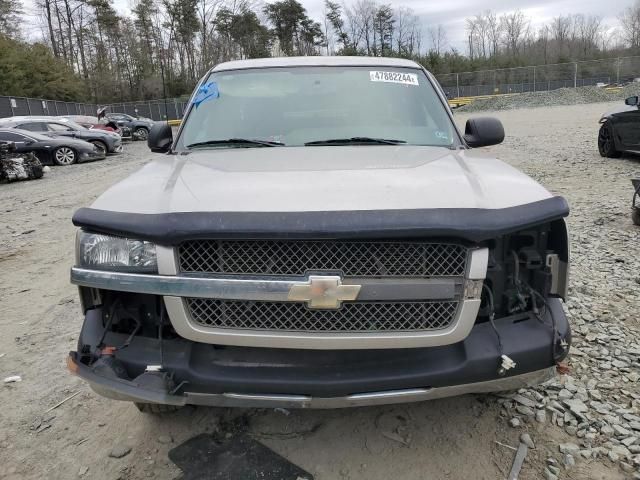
[515, 26]
[438, 37]
[630, 25]
[560, 30]
[494, 28]
[471, 28]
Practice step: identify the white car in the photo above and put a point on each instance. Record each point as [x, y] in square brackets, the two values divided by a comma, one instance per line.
[320, 234]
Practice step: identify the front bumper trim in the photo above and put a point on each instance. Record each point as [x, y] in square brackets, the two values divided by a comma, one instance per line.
[119, 389]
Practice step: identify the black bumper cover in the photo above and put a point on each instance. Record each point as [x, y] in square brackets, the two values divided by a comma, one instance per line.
[210, 369]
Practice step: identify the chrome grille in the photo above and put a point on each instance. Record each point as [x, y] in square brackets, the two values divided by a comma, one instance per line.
[351, 258]
[296, 317]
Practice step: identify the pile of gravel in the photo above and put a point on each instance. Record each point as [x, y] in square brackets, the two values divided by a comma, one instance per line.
[562, 96]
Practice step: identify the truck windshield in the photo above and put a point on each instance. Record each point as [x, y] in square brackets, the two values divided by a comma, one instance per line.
[316, 106]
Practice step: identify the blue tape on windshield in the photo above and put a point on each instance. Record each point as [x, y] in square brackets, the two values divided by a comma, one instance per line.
[206, 92]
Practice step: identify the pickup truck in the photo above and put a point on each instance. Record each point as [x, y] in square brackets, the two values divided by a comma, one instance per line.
[320, 234]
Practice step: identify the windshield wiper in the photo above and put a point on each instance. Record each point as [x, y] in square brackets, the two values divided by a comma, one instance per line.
[240, 142]
[355, 140]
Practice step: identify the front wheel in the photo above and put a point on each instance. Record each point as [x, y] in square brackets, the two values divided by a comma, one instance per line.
[101, 146]
[635, 216]
[606, 143]
[141, 133]
[64, 156]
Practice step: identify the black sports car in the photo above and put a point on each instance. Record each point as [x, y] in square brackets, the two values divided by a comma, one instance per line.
[52, 150]
[620, 130]
[110, 142]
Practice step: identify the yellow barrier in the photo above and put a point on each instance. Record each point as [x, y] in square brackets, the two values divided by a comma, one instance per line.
[461, 101]
[174, 123]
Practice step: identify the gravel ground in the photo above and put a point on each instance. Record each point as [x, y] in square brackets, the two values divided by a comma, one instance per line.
[585, 425]
[562, 96]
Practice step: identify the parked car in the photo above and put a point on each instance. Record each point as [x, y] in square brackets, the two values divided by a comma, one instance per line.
[620, 130]
[51, 150]
[320, 234]
[109, 142]
[93, 122]
[139, 126]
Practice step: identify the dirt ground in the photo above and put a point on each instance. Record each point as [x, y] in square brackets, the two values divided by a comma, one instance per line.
[446, 439]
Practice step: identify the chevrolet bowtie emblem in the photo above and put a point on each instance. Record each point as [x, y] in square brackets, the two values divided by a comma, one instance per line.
[324, 292]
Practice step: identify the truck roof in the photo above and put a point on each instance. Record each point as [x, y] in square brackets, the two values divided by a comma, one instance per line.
[315, 62]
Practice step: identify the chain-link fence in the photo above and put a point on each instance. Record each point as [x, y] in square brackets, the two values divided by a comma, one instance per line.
[171, 109]
[541, 77]
[17, 106]
[536, 78]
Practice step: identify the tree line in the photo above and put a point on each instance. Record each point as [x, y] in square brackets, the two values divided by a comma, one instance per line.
[89, 51]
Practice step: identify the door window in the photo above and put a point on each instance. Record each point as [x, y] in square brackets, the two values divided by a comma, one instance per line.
[12, 137]
[34, 126]
[58, 127]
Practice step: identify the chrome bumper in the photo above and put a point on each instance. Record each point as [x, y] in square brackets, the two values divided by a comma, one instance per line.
[174, 288]
[373, 398]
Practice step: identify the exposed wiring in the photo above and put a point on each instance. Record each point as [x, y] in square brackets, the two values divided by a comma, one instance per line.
[538, 309]
[517, 283]
[133, 334]
[541, 312]
[492, 314]
[516, 265]
[506, 363]
[162, 312]
[112, 312]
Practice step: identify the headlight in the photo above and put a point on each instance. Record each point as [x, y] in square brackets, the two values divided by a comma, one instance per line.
[105, 252]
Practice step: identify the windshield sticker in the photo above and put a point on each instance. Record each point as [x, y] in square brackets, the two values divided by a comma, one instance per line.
[206, 92]
[394, 77]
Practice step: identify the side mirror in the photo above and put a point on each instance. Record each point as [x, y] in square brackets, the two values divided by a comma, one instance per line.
[483, 131]
[632, 101]
[160, 138]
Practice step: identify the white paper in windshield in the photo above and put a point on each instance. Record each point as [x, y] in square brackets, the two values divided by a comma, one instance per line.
[394, 77]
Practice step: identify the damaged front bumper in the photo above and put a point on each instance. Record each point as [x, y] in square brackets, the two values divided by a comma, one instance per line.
[92, 156]
[203, 374]
[118, 389]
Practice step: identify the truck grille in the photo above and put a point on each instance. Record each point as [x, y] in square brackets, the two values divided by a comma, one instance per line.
[296, 317]
[351, 258]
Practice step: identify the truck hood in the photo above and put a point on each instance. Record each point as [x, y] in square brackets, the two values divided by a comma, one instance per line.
[326, 178]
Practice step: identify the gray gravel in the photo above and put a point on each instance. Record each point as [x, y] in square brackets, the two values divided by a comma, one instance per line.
[562, 96]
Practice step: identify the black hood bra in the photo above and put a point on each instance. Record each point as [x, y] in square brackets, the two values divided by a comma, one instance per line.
[471, 224]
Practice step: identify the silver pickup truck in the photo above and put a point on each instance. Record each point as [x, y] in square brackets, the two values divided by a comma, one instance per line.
[320, 234]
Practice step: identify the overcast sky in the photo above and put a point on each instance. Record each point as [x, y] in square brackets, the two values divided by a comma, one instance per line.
[451, 13]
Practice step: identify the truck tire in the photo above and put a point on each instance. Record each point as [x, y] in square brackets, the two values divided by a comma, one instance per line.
[635, 216]
[156, 408]
[606, 143]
